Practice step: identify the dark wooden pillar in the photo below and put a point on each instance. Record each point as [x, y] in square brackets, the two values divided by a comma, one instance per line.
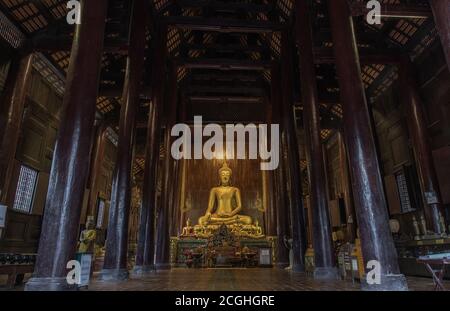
[281, 199]
[418, 132]
[325, 264]
[347, 191]
[145, 254]
[98, 152]
[441, 12]
[11, 114]
[162, 254]
[268, 176]
[170, 165]
[296, 204]
[370, 203]
[271, 212]
[176, 225]
[69, 171]
[115, 266]
[166, 221]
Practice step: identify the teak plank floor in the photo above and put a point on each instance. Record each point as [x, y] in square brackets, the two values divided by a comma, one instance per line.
[238, 280]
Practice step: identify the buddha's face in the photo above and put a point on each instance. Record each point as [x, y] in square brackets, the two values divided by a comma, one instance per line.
[225, 177]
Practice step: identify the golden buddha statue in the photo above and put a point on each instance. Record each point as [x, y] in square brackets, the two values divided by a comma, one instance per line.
[87, 238]
[188, 230]
[228, 200]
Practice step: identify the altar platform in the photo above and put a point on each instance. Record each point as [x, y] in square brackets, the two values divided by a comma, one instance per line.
[223, 248]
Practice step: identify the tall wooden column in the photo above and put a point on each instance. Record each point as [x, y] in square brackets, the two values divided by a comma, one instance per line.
[268, 179]
[98, 152]
[420, 139]
[165, 220]
[170, 165]
[176, 225]
[347, 191]
[145, 254]
[370, 203]
[441, 12]
[325, 264]
[281, 200]
[296, 205]
[11, 111]
[68, 175]
[115, 265]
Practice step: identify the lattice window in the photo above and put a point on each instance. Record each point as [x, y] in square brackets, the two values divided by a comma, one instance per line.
[10, 33]
[25, 189]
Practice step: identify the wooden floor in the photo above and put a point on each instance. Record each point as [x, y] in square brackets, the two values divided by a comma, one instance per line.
[237, 280]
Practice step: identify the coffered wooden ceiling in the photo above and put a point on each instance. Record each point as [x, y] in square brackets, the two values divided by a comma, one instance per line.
[222, 34]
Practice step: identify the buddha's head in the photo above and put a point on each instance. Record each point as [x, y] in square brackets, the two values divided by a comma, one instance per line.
[90, 225]
[225, 174]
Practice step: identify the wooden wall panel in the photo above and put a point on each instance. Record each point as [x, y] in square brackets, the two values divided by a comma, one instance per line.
[392, 195]
[442, 163]
[13, 184]
[32, 144]
[40, 194]
[335, 214]
[35, 149]
[21, 233]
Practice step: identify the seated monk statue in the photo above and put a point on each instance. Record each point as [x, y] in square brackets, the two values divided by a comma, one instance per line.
[228, 200]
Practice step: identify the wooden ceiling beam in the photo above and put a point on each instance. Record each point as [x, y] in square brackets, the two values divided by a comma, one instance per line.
[245, 91]
[225, 6]
[46, 43]
[225, 99]
[223, 64]
[226, 76]
[367, 56]
[394, 10]
[228, 48]
[222, 25]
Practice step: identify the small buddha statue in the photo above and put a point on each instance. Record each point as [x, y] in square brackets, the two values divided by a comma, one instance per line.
[228, 200]
[87, 238]
[188, 230]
